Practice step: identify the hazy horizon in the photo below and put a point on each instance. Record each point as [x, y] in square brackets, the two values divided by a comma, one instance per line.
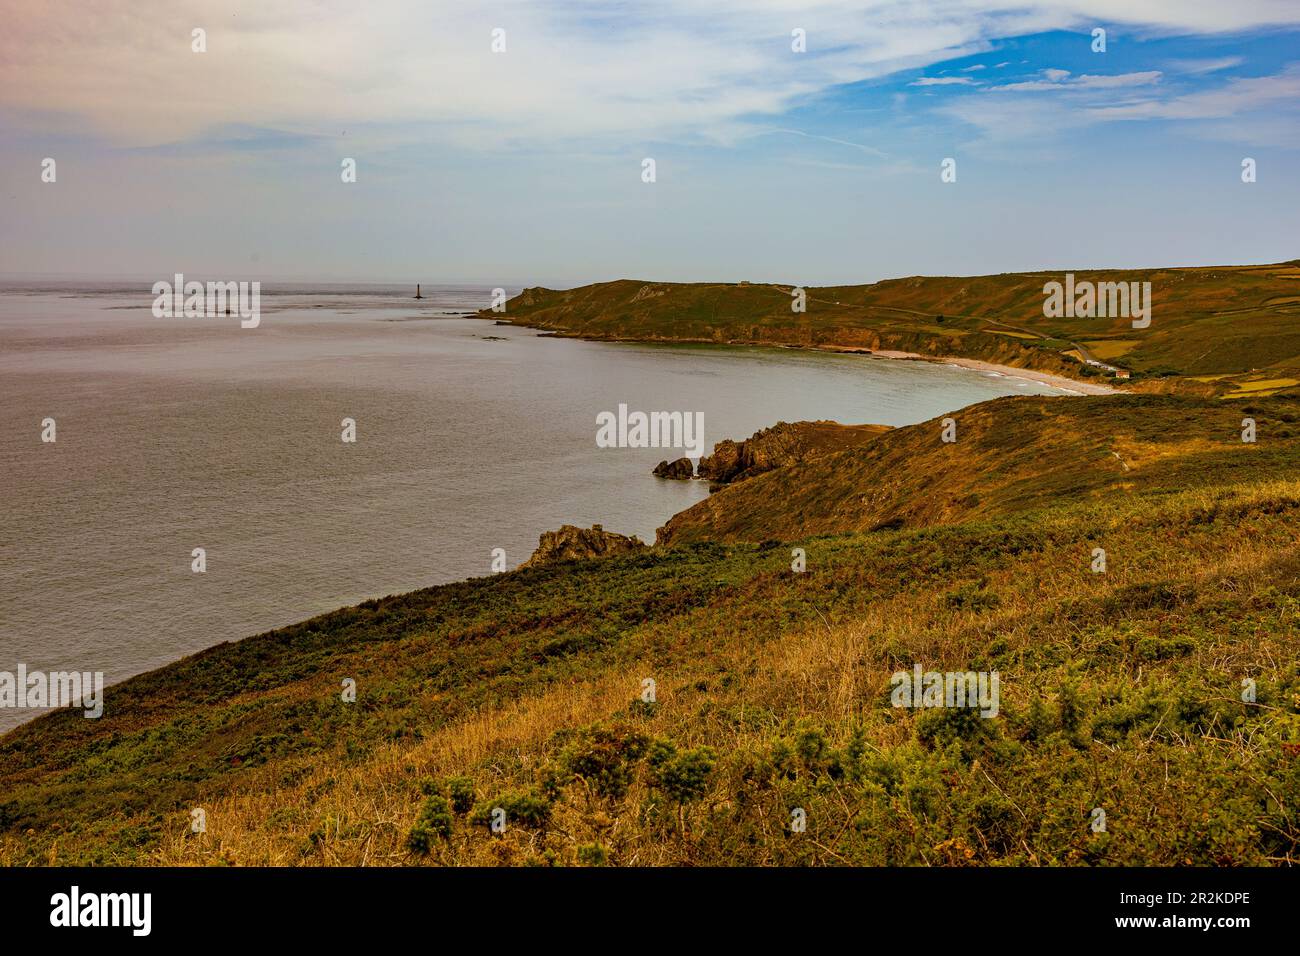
[517, 283]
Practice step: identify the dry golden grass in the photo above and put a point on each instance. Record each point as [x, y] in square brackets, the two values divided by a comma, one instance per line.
[374, 795]
[360, 813]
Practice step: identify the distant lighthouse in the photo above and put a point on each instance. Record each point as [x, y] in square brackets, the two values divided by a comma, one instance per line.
[417, 291]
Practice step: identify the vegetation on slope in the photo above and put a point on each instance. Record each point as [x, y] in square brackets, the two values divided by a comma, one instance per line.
[1010, 454]
[1195, 331]
[1121, 691]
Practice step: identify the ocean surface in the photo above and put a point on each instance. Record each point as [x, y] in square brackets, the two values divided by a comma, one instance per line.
[176, 434]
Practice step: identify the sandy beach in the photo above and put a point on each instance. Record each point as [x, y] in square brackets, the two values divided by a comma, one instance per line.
[1044, 378]
[1062, 382]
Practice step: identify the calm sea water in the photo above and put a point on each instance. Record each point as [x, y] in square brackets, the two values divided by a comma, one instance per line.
[174, 434]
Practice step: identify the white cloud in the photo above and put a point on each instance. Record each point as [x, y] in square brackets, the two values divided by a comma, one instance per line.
[1090, 82]
[1199, 67]
[943, 81]
[1259, 110]
[574, 68]
[1062, 80]
[1236, 97]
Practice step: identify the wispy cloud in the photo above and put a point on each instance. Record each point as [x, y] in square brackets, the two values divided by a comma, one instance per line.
[943, 81]
[1062, 80]
[572, 68]
[1201, 67]
[1263, 110]
[828, 139]
[1238, 96]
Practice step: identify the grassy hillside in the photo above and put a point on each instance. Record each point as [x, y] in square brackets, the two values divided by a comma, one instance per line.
[1234, 328]
[1010, 455]
[1120, 690]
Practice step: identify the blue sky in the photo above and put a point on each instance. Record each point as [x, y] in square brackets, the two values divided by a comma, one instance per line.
[524, 166]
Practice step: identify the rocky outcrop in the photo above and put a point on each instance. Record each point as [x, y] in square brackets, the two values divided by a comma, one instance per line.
[782, 444]
[680, 470]
[571, 543]
[725, 462]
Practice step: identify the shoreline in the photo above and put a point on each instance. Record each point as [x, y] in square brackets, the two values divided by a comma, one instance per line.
[1062, 382]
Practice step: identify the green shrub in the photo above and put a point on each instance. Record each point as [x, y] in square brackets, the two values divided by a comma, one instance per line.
[528, 808]
[433, 823]
[941, 726]
[603, 759]
[592, 854]
[1069, 713]
[681, 775]
[462, 794]
[1038, 723]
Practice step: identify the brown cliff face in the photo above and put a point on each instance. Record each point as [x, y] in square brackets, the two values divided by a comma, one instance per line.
[571, 543]
[725, 463]
[782, 444]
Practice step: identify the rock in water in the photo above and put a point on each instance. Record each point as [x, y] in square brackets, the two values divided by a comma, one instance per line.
[571, 542]
[680, 469]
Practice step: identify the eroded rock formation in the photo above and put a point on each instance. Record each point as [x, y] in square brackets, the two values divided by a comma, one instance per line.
[782, 444]
[571, 542]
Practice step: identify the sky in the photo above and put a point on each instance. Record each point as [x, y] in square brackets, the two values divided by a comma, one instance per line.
[525, 165]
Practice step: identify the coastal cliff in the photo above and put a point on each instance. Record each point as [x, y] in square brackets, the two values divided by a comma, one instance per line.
[1010, 455]
[997, 319]
[783, 444]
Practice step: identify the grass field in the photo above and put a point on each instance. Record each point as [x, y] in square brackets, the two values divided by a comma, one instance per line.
[1107, 349]
[1261, 385]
